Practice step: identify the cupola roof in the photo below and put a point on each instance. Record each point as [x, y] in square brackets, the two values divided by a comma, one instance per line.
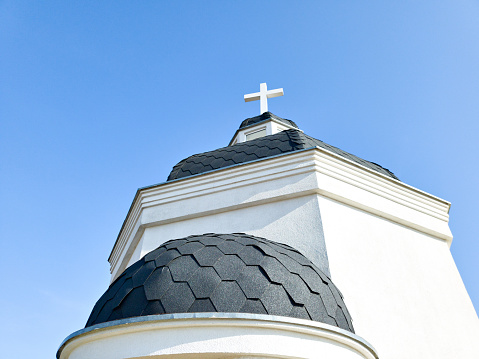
[261, 148]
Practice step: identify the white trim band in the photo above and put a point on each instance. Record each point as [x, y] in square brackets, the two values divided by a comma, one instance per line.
[234, 334]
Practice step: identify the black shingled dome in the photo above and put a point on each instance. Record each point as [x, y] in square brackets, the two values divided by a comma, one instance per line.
[232, 273]
[260, 148]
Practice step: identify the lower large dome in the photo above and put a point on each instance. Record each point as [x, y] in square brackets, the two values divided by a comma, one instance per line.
[232, 273]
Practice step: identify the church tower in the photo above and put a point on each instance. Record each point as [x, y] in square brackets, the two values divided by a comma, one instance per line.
[281, 246]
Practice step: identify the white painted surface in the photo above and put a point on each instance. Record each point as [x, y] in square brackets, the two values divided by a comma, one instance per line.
[401, 286]
[218, 338]
[295, 222]
[263, 95]
[271, 126]
[209, 198]
[256, 134]
[387, 242]
[180, 201]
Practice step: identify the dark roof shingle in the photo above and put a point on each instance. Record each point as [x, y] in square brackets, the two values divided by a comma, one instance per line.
[263, 147]
[236, 273]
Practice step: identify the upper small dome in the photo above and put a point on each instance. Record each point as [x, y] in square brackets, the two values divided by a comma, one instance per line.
[232, 273]
[279, 143]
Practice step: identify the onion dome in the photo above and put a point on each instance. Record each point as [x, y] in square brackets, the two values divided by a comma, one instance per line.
[230, 273]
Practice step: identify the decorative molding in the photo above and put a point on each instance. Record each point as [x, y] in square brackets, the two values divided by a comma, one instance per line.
[333, 176]
[318, 334]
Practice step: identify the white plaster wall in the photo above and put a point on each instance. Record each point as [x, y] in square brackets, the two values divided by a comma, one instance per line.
[387, 243]
[137, 254]
[295, 222]
[401, 286]
[265, 187]
[215, 193]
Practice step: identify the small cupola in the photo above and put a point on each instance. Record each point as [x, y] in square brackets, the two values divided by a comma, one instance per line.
[264, 124]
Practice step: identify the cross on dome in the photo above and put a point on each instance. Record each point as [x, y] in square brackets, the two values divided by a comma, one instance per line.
[263, 95]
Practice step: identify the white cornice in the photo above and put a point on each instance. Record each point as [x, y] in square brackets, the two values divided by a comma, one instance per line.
[309, 171]
[203, 333]
[229, 178]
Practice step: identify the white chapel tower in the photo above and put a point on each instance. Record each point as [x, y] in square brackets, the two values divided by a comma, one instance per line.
[281, 246]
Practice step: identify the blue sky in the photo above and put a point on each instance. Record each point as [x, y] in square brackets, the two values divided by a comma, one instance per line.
[100, 98]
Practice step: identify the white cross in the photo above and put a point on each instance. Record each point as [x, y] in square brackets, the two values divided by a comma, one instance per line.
[263, 95]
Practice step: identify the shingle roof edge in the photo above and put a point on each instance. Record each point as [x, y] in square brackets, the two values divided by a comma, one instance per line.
[292, 140]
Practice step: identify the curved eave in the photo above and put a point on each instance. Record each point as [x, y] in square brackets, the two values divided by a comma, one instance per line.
[259, 321]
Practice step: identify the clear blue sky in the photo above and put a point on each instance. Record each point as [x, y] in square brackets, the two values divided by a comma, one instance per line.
[100, 98]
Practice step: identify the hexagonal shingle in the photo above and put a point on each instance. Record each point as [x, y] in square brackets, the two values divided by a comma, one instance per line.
[175, 243]
[153, 308]
[196, 168]
[298, 257]
[253, 306]
[299, 312]
[228, 297]
[134, 303]
[217, 163]
[113, 289]
[190, 247]
[122, 292]
[102, 315]
[230, 247]
[154, 254]
[266, 248]
[341, 318]
[312, 279]
[316, 308]
[143, 273]
[116, 314]
[158, 283]
[204, 282]
[290, 263]
[229, 267]
[207, 256]
[166, 257]
[202, 305]
[239, 157]
[297, 289]
[131, 270]
[276, 272]
[276, 300]
[244, 239]
[178, 298]
[251, 255]
[182, 268]
[263, 152]
[328, 299]
[253, 282]
[211, 240]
